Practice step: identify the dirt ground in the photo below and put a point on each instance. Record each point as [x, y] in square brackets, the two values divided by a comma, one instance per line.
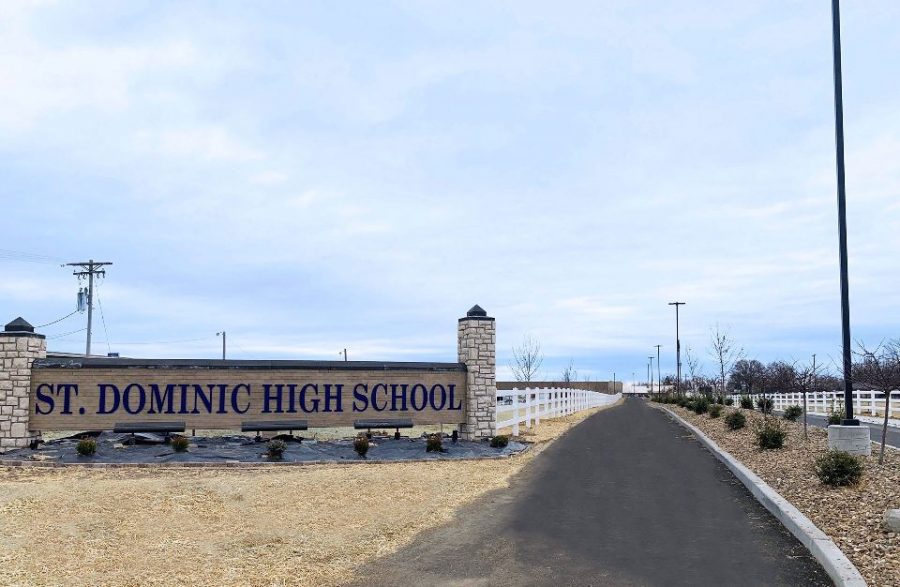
[256, 526]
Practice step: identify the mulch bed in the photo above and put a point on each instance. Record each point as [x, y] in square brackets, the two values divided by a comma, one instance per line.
[851, 516]
[113, 449]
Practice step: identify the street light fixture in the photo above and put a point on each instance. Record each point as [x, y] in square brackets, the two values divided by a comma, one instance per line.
[677, 348]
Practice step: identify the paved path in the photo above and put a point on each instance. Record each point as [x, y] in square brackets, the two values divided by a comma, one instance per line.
[627, 497]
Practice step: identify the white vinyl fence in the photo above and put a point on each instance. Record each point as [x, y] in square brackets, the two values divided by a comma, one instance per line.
[865, 403]
[527, 406]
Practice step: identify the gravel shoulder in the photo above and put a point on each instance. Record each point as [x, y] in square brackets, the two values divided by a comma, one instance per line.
[850, 516]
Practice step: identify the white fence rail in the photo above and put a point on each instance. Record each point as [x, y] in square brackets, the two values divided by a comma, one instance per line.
[516, 407]
[865, 403]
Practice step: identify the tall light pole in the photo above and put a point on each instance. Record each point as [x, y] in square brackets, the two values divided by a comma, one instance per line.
[658, 370]
[848, 420]
[677, 348]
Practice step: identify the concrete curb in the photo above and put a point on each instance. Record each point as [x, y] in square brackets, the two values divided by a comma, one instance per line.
[835, 563]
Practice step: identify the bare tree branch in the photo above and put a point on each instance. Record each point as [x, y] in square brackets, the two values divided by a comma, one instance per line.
[569, 374]
[528, 359]
[879, 368]
[725, 352]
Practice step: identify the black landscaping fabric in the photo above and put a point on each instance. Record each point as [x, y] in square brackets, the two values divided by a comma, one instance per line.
[150, 448]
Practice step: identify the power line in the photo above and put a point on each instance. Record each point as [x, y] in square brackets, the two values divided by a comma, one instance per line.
[164, 341]
[103, 319]
[11, 255]
[57, 320]
[66, 334]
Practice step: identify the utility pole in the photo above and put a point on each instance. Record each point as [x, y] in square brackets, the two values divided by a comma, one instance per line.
[677, 347]
[222, 334]
[658, 370]
[89, 269]
[345, 355]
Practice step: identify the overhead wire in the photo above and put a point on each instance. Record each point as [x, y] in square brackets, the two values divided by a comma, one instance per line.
[12, 255]
[103, 319]
[67, 333]
[165, 341]
[57, 320]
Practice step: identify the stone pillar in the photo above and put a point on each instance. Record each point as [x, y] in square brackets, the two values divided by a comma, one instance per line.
[19, 347]
[477, 349]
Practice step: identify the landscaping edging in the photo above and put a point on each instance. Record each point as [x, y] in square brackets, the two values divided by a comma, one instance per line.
[832, 559]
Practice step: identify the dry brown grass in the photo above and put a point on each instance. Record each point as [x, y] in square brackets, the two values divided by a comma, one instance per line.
[851, 516]
[256, 526]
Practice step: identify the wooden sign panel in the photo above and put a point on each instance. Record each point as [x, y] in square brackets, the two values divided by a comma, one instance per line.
[208, 398]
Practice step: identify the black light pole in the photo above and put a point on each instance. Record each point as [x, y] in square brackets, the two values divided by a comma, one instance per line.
[848, 420]
[677, 347]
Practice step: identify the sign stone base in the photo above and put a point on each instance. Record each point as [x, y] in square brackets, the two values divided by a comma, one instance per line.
[856, 440]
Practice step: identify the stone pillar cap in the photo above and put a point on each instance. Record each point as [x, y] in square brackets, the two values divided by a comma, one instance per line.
[475, 313]
[19, 325]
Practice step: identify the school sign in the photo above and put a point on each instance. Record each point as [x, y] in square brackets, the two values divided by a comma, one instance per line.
[98, 393]
[95, 393]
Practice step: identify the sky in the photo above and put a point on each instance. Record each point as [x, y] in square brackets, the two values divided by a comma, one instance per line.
[314, 176]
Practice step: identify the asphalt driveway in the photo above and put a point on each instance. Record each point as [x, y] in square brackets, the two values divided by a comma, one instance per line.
[627, 497]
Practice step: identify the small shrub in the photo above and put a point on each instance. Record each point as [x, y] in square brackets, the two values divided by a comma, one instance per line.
[792, 413]
[86, 447]
[499, 441]
[770, 434]
[765, 405]
[180, 444]
[729, 401]
[746, 402]
[361, 445]
[715, 410]
[700, 405]
[838, 468]
[719, 399]
[434, 443]
[275, 449]
[834, 418]
[735, 420]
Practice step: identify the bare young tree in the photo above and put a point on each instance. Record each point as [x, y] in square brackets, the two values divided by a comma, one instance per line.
[879, 368]
[693, 365]
[725, 351]
[527, 358]
[806, 379]
[569, 374]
